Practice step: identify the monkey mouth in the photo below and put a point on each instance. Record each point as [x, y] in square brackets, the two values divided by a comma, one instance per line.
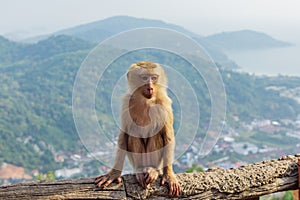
[148, 93]
[148, 96]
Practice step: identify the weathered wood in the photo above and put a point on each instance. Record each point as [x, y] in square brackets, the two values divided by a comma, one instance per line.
[247, 182]
[63, 189]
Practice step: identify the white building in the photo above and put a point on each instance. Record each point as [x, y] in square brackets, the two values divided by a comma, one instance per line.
[244, 148]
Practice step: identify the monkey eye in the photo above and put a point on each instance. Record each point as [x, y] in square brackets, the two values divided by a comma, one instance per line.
[147, 77]
[154, 77]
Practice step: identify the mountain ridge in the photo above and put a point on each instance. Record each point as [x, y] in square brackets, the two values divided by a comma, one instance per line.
[216, 44]
[111, 26]
[245, 40]
[99, 30]
[11, 51]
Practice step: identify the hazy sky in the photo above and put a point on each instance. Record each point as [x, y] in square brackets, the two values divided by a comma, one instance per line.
[279, 18]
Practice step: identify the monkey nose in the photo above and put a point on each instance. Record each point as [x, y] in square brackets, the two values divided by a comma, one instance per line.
[150, 90]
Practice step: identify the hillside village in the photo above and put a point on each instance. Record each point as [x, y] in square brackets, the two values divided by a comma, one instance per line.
[36, 82]
[230, 151]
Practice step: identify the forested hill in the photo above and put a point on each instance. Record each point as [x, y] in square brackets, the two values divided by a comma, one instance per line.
[245, 40]
[100, 30]
[12, 51]
[36, 82]
[35, 101]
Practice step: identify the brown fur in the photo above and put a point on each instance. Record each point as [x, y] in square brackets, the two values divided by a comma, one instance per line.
[147, 135]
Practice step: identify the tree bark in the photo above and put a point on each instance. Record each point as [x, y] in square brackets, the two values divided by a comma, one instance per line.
[247, 182]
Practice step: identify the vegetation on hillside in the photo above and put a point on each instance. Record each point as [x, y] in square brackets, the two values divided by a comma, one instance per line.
[36, 83]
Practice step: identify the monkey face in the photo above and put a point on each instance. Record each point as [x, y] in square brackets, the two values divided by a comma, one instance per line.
[146, 79]
[149, 87]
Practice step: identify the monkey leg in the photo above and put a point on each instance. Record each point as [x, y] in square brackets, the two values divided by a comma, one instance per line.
[145, 156]
[153, 158]
[136, 155]
[154, 149]
[136, 151]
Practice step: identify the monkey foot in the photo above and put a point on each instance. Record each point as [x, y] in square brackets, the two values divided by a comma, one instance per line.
[151, 174]
[147, 176]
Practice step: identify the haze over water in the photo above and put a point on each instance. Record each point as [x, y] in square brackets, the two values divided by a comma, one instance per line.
[274, 61]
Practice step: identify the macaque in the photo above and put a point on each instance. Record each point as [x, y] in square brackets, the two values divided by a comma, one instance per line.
[147, 134]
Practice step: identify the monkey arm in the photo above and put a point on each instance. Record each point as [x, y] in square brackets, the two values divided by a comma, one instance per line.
[168, 153]
[121, 151]
[115, 173]
[169, 140]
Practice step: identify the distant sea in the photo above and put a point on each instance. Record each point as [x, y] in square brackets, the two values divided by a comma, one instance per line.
[272, 62]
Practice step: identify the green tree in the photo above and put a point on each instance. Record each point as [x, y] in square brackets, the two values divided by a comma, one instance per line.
[288, 195]
[194, 168]
[49, 176]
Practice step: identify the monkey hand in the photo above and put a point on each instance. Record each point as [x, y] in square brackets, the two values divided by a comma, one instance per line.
[105, 180]
[174, 187]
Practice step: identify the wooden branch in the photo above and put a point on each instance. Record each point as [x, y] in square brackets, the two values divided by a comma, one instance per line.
[247, 182]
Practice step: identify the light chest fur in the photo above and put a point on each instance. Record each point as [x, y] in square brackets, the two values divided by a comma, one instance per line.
[144, 119]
